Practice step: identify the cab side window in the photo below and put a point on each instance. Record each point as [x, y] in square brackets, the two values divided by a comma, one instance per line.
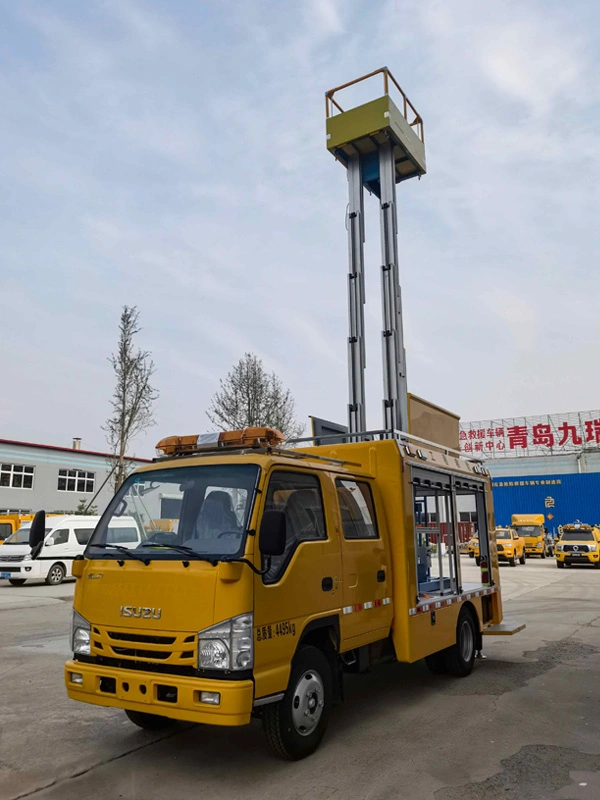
[357, 510]
[83, 535]
[59, 537]
[298, 495]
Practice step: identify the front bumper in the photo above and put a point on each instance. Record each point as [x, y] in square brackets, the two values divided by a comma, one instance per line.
[141, 691]
[20, 570]
[504, 556]
[583, 558]
[534, 551]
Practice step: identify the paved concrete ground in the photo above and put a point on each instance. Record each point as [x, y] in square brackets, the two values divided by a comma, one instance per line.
[524, 726]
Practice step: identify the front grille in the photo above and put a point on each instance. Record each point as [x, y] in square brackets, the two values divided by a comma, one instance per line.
[12, 559]
[499, 547]
[576, 548]
[177, 649]
[136, 637]
[145, 666]
[127, 651]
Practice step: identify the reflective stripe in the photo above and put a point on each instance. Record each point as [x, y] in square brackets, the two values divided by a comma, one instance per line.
[366, 605]
[423, 608]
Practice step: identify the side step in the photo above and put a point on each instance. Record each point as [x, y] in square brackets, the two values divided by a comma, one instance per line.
[506, 628]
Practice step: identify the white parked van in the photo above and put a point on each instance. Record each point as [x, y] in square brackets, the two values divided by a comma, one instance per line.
[66, 537]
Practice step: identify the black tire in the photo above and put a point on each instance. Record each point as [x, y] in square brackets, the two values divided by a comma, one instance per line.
[17, 581]
[560, 564]
[460, 658]
[477, 561]
[310, 679]
[512, 561]
[522, 559]
[150, 722]
[471, 555]
[436, 663]
[56, 575]
[543, 555]
[596, 564]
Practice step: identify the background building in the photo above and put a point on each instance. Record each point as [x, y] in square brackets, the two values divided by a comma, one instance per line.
[41, 476]
[546, 464]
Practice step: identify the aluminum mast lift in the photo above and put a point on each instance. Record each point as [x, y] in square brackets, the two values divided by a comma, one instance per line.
[380, 145]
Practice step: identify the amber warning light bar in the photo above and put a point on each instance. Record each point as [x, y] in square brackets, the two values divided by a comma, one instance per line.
[247, 437]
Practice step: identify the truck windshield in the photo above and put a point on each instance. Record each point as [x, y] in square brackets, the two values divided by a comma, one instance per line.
[528, 530]
[577, 536]
[202, 510]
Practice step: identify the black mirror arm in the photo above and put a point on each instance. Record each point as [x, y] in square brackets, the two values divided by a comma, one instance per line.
[250, 564]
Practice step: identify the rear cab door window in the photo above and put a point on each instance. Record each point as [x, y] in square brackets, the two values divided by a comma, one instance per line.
[366, 584]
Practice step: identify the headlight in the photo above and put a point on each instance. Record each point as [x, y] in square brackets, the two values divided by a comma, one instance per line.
[80, 635]
[540, 545]
[559, 547]
[228, 645]
[592, 547]
[27, 557]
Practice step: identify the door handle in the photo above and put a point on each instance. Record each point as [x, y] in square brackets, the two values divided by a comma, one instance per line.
[327, 584]
[380, 576]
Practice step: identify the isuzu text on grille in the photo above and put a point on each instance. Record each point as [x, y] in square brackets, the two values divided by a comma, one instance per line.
[144, 612]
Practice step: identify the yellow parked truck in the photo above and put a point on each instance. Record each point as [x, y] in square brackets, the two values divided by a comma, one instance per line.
[578, 544]
[284, 569]
[531, 527]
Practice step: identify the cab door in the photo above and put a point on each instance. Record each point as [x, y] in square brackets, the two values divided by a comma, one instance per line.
[300, 587]
[366, 584]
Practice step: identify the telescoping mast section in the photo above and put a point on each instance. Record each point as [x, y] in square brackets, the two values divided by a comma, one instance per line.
[380, 144]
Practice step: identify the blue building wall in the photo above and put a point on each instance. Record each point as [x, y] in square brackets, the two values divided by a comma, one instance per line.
[562, 498]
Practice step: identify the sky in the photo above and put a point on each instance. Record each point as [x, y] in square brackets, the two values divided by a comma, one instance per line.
[172, 156]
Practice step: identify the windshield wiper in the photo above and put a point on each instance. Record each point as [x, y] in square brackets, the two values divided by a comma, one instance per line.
[122, 549]
[189, 551]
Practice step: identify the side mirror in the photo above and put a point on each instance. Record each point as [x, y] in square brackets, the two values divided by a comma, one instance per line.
[272, 536]
[37, 533]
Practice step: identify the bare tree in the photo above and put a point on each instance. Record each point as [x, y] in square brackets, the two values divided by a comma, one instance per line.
[249, 397]
[133, 396]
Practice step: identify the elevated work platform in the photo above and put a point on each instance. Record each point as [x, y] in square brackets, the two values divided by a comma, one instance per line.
[362, 131]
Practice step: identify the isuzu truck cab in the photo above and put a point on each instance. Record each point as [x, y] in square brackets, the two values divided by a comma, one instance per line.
[532, 529]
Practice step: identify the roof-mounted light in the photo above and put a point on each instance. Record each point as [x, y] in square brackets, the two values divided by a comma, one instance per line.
[248, 437]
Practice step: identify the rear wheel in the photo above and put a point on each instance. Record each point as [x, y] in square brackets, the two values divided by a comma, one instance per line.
[460, 658]
[296, 724]
[16, 581]
[522, 559]
[56, 575]
[149, 722]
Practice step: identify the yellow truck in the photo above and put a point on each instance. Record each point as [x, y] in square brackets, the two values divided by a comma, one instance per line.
[578, 544]
[285, 569]
[510, 546]
[532, 528]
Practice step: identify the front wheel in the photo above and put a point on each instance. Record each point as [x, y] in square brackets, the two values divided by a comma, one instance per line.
[512, 561]
[296, 724]
[471, 555]
[560, 564]
[149, 722]
[56, 575]
[460, 658]
[16, 581]
[596, 564]
[478, 561]
[543, 555]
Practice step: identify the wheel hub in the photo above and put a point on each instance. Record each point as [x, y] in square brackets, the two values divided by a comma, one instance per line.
[308, 702]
